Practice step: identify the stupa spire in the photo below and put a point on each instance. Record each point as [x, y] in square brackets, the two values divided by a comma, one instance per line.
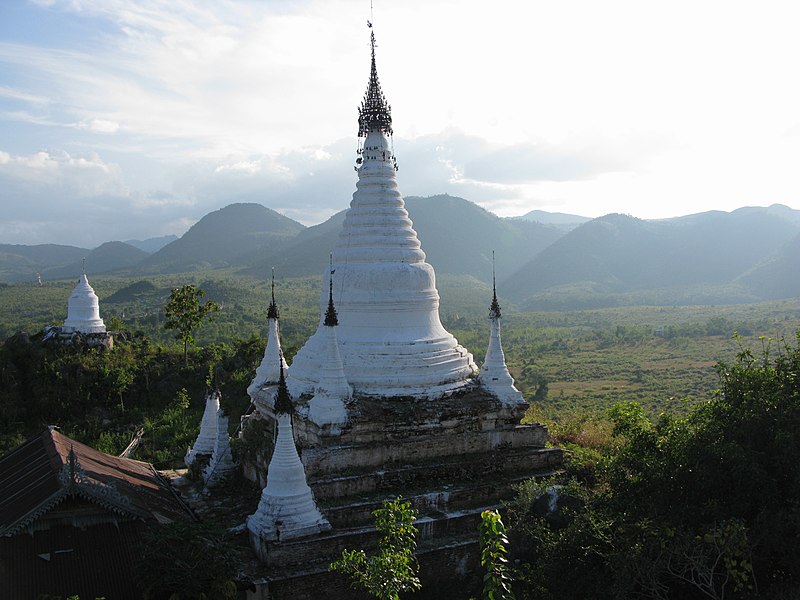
[268, 372]
[283, 401]
[374, 114]
[272, 311]
[331, 319]
[287, 509]
[494, 308]
[494, 373]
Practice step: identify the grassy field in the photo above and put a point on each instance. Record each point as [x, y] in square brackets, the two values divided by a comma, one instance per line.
[662, 357]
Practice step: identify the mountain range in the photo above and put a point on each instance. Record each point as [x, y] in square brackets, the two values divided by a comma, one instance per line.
[543, 260]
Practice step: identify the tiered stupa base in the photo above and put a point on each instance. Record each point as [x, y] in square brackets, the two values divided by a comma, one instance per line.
[451, 457]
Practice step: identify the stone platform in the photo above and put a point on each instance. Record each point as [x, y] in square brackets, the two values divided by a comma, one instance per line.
[451, 457]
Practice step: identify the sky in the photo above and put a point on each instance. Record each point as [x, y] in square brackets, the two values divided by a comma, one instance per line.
[124, 119]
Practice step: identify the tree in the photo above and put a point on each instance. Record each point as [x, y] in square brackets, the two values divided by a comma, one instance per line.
[394, 568]
[186, 561]
[185, 314]
[497, 581]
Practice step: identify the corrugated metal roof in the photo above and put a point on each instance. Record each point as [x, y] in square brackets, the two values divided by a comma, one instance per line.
[41, 473]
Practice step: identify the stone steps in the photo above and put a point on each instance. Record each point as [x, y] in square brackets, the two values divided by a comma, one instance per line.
[425, 446]
[429, 502]
[454, 470]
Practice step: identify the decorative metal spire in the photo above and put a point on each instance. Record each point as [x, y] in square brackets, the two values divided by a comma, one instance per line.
[374, 114]
[494, 309]
[272, 312]
[331, 318]
[83, 267]
[283, 401]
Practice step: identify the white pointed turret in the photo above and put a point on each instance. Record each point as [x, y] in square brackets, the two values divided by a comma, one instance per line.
[391, 340]
[327, 407]
[494, 372]
[204, 444]
[287, 509]
[221, 462]
[83, 309]
[268, 371]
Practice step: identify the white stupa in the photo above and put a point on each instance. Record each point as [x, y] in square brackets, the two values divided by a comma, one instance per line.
[391, 340]
[83, 310]
[221, 462]
[287, 509]
[332, 392]
[268, 371]
[494, 372]
[204, 444]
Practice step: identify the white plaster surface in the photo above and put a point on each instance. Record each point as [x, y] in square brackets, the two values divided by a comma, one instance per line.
[268, 372]
[332, 392]
[221, 462]
[287, 509]
[494, 374]
[204, 444]
[83, 310]
[391, 340]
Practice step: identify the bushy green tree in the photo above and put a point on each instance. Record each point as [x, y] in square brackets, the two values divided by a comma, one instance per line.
[186, 561]
[185, 313]
[393, 569]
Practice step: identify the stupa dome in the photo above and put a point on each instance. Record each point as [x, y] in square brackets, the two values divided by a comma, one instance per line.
[391, 340]
[83, 310]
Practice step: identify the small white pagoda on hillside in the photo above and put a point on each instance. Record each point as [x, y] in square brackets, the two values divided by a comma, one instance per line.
[83, 309]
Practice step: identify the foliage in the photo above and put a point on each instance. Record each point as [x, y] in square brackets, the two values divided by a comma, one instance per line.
[185, 313]
[493, 541]
[186, 561]
[394, 568]
[700, 506]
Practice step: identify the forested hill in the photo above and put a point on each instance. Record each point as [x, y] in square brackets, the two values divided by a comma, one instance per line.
[711, 257]
[225, 237]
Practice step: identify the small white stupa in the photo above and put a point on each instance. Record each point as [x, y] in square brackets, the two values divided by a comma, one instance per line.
[287, 509]
[204, 444]
[268, 372]
[83, 309]
[391, 340]
[494, 373]
[327, 407]
[221, 462]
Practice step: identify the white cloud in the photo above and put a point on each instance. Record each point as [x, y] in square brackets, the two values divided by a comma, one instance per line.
[576, 106]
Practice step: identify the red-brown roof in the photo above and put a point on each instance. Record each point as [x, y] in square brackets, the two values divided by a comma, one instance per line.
[40, 473]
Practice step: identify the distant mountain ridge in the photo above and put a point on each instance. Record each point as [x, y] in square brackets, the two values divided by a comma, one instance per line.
[701, 257]
[746, 255]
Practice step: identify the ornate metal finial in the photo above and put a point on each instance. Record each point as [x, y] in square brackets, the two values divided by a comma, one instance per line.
[83, 267]
[494, 309]
[331, 318]
[374, 114]
[283, 401]
[272, 312]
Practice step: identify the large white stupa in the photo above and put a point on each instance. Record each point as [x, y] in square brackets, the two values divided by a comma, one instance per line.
[83, 310]
[391, 340]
